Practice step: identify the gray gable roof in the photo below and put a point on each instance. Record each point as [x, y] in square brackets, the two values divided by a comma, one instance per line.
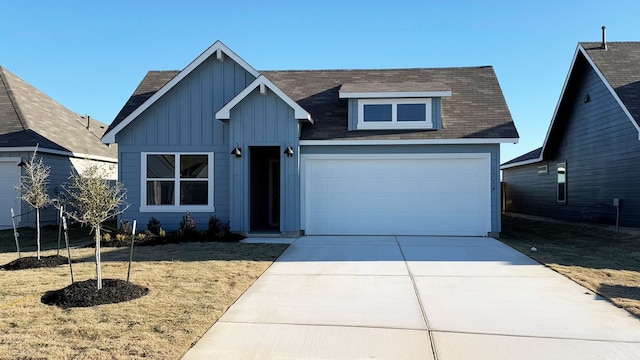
[476, 108]
[28, 118]
[620, 66]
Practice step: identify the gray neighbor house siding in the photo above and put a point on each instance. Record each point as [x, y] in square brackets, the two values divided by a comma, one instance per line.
[184, 121]
[594, 136]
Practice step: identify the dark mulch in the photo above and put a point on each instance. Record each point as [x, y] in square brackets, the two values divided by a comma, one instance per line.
[170, 238]
[32, 262]
[86, 293]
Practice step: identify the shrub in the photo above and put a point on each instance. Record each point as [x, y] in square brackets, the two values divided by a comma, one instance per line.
[154, 226]
[188, 224]
[162, 233]
[121, 237]
[217, 228]
[106, 237]
[126, 227]
[141, 236]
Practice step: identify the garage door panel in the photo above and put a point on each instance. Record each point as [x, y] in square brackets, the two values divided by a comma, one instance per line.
[439, 196]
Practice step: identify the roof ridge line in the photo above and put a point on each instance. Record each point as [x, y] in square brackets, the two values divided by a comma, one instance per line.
[21, 118]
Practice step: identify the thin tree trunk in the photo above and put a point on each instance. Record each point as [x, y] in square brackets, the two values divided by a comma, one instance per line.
[98, 259]
[38, 230]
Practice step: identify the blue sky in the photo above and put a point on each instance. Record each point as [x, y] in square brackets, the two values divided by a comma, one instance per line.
[90, 56]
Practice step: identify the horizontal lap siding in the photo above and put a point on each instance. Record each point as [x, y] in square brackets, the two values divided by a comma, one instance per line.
[183, 120]
[601, 148]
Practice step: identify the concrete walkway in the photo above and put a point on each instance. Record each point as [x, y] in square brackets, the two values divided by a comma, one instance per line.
[388, 297]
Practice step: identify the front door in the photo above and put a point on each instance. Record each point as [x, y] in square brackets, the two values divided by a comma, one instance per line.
[265, 188]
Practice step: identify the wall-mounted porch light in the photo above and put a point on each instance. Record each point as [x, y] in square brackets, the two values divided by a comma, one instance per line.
[288, 151]
[237, 152]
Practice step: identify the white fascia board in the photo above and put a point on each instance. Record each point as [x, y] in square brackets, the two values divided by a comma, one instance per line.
[611, 90]
[394, 94]
[521, 163]
[299, 113]
[408, 142]
[564, 88]
[58, 152]
[110, 137]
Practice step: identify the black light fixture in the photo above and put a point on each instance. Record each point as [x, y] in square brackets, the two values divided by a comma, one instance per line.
[22, 163]
[237, 152]
[288, 151]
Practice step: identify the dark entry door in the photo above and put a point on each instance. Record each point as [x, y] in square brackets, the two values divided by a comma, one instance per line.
[265, 188]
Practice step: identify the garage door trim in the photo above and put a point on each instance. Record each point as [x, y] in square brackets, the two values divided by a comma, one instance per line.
[13, 162]
[304, 169]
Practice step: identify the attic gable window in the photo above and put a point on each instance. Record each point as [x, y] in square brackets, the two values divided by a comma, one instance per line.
[394, 114]
[391, 106]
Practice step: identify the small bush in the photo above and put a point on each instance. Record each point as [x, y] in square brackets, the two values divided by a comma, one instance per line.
[162, 233]
[141, 236]
[217, 228]
[126, 227]
[154, 226]
[106, 237]
[188, 224]
[121, 237]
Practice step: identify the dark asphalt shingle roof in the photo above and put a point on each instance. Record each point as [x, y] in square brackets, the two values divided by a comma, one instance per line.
[620, 65]
[475, 109]
[28, 117]
[531, 155]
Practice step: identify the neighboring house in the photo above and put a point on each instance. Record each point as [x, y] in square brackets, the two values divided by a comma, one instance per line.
[403, 151]
[591, 154]
[66, 141]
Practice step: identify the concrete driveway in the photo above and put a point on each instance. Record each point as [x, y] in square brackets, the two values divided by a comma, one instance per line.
[403, 297]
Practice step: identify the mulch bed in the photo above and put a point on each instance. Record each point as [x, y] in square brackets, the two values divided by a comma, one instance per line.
[171, 238]
[32, 262]
[86, 293]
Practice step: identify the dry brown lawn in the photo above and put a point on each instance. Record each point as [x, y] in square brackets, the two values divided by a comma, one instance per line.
[190, 286]
[603, 261]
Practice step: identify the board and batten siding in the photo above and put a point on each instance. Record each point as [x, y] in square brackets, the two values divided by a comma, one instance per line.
[492, 149]
[183, 120]
[264, 120]
[601, 149]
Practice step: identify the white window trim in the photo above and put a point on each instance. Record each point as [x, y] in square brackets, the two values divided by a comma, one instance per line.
[175, 208]
[394, 123]
[562, 165]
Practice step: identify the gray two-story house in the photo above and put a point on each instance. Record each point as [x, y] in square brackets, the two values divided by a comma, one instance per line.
[393, 151]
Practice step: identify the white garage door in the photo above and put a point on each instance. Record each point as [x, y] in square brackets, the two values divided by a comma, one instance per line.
[407, 195]
[9, 177]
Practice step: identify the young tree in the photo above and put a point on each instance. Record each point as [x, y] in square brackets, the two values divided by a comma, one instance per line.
[33, 189]
[94, 199]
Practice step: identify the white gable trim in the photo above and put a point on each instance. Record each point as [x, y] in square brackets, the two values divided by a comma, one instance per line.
[217, 48]
[611, 90]
[225, 112]
[581, 50]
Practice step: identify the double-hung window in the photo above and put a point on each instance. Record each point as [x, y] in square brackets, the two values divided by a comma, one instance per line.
[177, 182]
[394, 113]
